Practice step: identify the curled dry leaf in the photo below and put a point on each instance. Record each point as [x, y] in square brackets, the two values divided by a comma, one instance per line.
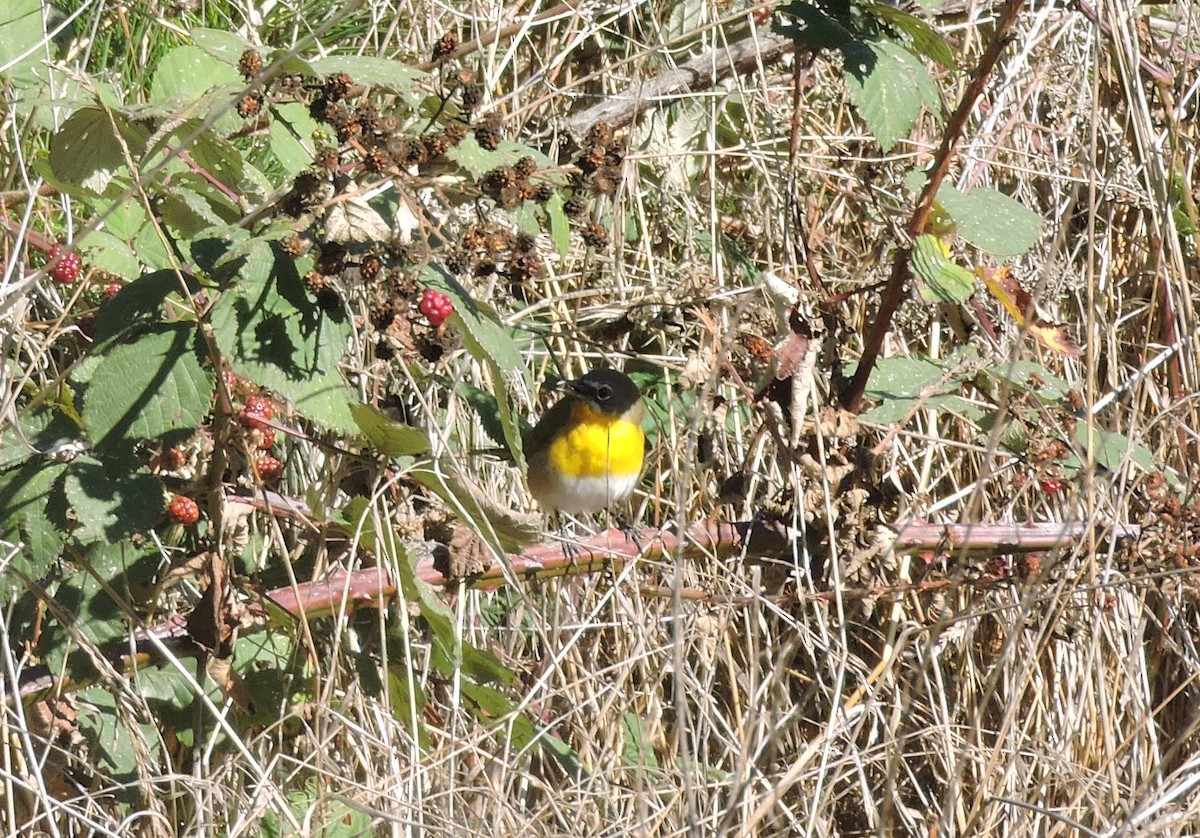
[1007, 291]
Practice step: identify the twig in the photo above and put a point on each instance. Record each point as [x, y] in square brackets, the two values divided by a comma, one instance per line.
[699, 73]
[893, 292]
[346, 591]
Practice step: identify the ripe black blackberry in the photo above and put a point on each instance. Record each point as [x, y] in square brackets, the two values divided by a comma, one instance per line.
[338, 87]
[591, 160]
[543, 192]
[471, 97]
[594, 235]
[458, 263]
[523, 243]
[574, 206]
[377, 161]
[371, 267]
[445, 46]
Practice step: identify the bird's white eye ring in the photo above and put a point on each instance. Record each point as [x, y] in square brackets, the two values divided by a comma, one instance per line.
[603, 392]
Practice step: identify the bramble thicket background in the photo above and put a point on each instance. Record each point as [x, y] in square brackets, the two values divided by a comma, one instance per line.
[911, 293]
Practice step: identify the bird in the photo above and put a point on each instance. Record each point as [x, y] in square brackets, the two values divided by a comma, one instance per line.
[586, 452]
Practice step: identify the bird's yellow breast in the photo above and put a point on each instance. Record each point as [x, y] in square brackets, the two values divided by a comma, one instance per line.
[597, 445]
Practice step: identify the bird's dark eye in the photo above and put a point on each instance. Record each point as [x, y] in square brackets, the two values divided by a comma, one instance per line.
[603, 393]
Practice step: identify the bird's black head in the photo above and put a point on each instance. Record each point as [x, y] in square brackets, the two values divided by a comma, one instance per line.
[606, 390]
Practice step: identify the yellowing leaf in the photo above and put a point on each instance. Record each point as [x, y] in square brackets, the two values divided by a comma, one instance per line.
[941, 280]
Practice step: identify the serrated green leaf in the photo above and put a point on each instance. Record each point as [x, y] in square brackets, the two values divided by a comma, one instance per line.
[145, 388]
[33, 511]
[186, 74]
[106, 252]
[139, 304]
[111, 506]
[925, 39]
[888, 85]
[23, 44]
[377, 72]
[900, 383]
[388, 437]
[991, 220]
[122, 218]
[274, 335]
[477, 160]
[1112, 450]
[89, 148]
[291, 134]
[220, 43]
[811, 28]
[152, 250]
[942, 281]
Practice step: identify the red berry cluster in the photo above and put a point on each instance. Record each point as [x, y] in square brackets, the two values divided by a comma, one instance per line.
[258, 412]
[183, 510]
[269, 468]
[64, 265]
[436, 307]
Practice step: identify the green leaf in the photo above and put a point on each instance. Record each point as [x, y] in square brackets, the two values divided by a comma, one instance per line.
[122, 218]
[486, 408]
[889, 86]
[811, 28]
[902, 383]
[89, 148]
[407, 701]
[33, 511]
[220, 43]
[108, 253]
[388, 437]
[291, 134]
[477, 160]
[377, 72]
[186, 74]
[991, 220]
[1029, 377]
[925, 39]
[273, 334]
[499, 527]
[483, 667]
[139, 305]
[942, 281]
[22, 40]
[110, 507]
[560, 225]
[637, 751]
[1114, 449]
[143, 389]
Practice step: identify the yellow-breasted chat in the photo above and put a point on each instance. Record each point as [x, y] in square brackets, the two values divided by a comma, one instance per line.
[586, 452]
